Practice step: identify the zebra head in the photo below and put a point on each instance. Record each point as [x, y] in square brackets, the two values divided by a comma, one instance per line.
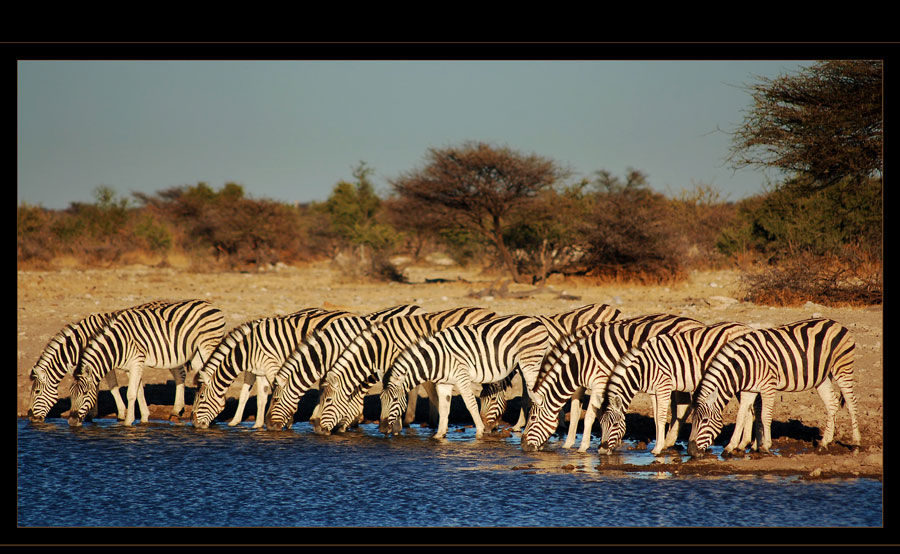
[326, 402]
[493, 405]
[542, 422]
[338, 408]
[206, 406]
[279, 415]
[43, 395]
[612, 424]
[84, 397]
[706, 422]
[393, 404]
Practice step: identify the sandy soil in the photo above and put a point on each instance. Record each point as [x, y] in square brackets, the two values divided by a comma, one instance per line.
[47, 300]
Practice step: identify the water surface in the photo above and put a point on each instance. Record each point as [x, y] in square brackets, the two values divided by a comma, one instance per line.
[160, 474]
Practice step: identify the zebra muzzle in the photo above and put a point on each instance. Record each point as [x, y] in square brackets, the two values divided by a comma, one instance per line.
[693, 450]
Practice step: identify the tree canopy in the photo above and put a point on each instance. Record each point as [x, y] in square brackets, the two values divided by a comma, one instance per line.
[478, 186]
[824, 123]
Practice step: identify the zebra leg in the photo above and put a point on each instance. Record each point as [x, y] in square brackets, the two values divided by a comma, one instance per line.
[142, 403]
[845, 384]
[589, 414]
[739, 435]
[134, 383]
[681, 408]
[661, 399]
[249, 379]
[411, 400]
[444, 393]
[434, 415]
[768, 403]
[262, 396]
[832, 404]
[520, 423]
[112, 382]
[574, 416]
[179, 373]
[465, 390]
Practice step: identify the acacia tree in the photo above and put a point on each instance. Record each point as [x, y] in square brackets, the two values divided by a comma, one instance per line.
[824, 124]
[478, 186]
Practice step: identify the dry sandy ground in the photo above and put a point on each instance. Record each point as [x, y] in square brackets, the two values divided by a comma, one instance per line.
[47, 300]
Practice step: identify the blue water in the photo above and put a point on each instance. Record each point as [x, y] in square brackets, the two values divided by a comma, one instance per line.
[168, 475]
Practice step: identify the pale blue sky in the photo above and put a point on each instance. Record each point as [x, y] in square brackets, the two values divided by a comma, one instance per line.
[290, 130]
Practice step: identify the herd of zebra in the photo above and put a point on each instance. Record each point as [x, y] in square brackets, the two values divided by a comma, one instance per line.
[694, 367]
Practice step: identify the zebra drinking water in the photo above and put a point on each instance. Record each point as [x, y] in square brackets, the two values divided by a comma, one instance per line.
[364, 361]
[259, 349]
[560, 326]
[664, 366]
[795, 357]
[458, 357]
[60, 357]
[587, 361]
[165, 336]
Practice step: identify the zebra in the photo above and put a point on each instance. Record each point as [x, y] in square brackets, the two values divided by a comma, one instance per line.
[250, 376]
[61, 356]
[798, 356]
[365, 360]
[460, 356]
[664, 366]
[259, 348]
[560, 326]
[167, 335]
[314, 359]
[586, 360]
[262, 345]
[306, 365]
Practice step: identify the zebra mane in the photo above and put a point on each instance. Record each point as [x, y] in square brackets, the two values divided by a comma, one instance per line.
[713, 378]
[406, 354]
[226, 345]
[55, 344]
[560, 349]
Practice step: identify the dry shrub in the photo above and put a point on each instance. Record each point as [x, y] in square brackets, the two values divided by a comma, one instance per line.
[851, 280]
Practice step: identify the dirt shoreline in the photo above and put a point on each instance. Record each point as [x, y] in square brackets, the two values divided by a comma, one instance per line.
[47, 300]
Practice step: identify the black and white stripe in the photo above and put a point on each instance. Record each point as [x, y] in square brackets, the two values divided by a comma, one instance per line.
[493, 396]
[586, 360]
[258, 349]
[60, 357]
[665, 366]
[365, 360]
[307, 364]
[460, 356]
[360, 365]
[166, 336]
[794, 357]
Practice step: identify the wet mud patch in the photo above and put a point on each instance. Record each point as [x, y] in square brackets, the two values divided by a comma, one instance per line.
[789, 457]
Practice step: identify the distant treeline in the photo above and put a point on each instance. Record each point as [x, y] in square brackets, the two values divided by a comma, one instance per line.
[816, 236]
[607, 228]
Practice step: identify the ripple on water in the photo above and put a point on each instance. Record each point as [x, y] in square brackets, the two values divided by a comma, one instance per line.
[164, 474]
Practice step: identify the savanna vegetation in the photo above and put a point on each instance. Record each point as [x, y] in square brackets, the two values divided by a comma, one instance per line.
[815, 236]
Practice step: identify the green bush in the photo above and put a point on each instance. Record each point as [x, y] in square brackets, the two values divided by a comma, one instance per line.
[788, 221]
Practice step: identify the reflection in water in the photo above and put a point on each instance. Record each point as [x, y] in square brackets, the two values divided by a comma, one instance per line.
[238, 476]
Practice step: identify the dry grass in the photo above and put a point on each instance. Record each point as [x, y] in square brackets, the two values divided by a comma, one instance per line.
[826, 281]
